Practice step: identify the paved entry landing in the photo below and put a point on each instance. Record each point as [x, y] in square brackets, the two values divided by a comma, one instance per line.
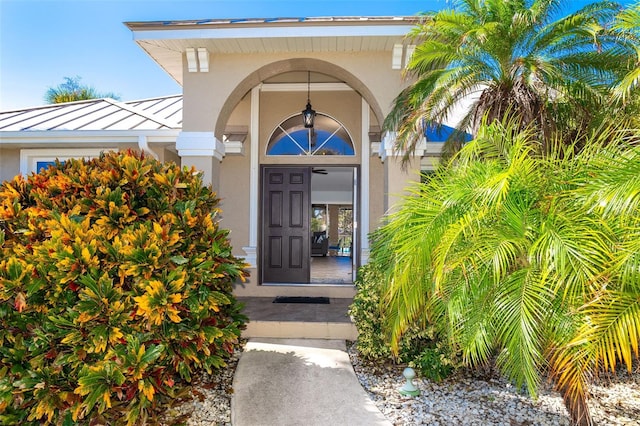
[298, 320]
[292, 382]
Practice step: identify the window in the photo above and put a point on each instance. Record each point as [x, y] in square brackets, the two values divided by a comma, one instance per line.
[327, 137]
[43, 165]
[33, 160]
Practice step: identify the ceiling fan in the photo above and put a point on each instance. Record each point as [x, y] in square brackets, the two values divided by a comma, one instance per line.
[320, 171]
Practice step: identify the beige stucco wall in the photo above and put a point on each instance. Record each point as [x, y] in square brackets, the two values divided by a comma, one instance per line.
[234, 199]
[376, 193]
[234, 184]
[398, 179]
[221, 98]
[231, 76]
[169, 155]
[9, 163]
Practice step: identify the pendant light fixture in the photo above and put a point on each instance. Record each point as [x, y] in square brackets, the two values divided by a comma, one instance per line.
[308, 115]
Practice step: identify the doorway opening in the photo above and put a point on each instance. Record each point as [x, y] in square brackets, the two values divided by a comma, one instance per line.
[309, 231]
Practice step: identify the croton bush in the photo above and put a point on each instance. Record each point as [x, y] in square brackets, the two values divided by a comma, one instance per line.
[115, 290]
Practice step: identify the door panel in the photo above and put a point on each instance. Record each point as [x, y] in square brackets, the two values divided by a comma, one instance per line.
[285, 224]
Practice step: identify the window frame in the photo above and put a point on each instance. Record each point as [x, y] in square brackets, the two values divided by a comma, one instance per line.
[29, 158]
[284, 133]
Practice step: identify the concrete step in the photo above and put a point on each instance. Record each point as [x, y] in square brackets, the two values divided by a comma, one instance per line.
[298, 320]
[301, 330]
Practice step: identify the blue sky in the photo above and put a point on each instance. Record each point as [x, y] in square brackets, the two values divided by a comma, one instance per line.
[43, 41]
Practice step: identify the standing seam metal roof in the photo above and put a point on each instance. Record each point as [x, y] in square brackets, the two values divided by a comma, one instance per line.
[97, 114]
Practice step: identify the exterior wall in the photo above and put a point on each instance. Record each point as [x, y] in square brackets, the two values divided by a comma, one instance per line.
[234, 184]
[205, 94]
[218, 99]
[376, 193]
[234, 199]
[398, 178]
[9, 163]
[168, 155]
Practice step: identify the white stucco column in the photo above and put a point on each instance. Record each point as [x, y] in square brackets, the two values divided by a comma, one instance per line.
[203, 151]
[365, 158]
[254, 151]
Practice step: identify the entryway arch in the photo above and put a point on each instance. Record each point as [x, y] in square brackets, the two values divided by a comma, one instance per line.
[257, 77]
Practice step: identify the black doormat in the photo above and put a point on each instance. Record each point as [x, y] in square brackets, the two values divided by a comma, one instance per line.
[317, 300]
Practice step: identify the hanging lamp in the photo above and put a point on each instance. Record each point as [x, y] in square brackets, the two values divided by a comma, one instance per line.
[308, 114]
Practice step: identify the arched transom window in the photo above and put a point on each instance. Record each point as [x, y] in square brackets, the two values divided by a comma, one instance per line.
[327, 137]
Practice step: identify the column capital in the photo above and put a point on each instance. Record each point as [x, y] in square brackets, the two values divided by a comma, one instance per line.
[199, 144]
[422, 148]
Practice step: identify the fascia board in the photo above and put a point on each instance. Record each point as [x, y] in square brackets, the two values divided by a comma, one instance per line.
[74, 137]
[274, 32]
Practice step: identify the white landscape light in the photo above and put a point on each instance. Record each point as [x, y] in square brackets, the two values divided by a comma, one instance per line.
[409, 389]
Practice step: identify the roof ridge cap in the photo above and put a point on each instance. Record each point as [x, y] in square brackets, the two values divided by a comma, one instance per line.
[143, 113]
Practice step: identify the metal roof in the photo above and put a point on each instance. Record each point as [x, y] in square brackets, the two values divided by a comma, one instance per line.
[97, 114]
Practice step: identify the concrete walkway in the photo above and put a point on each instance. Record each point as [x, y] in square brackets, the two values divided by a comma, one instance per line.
[299, 382]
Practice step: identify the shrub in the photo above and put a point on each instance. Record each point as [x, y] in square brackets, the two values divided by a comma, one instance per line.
[523, 258]
[115, 289]
[419, 347]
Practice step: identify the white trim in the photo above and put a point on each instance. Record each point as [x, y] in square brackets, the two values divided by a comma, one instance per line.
[302, 87]
[387, 145]
[274, 32]
[84, 137]
[408, 53]
[396, 56]
[364, 185]
[143, 144]
[254, 174]
[375, 148]
[251, 256]
[192, 62]
[425, 147]
[429, 163]
[30, 157]
[203, 59]
[233, 147]
[199, 144]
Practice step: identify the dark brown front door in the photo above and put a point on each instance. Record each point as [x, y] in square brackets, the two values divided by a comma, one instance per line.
[285, 224]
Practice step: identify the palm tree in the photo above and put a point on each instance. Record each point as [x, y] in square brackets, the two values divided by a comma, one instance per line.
[531, 261]
[72, 90]
[508, 57]
[627, 23]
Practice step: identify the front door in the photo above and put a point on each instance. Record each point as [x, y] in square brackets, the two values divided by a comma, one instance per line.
[285, 224]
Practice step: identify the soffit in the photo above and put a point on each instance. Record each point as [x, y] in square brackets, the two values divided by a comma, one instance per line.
[167, 41]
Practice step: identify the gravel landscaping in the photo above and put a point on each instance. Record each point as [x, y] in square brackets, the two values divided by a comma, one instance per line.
[463, 400]
[209, 400]
[469, 400]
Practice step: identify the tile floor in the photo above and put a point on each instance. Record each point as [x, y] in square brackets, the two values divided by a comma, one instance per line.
[331, 270]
